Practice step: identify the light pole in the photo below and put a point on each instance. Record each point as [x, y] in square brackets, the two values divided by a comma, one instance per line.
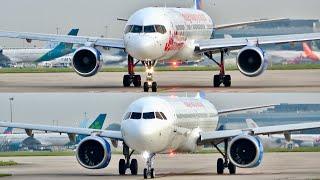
[11, 108]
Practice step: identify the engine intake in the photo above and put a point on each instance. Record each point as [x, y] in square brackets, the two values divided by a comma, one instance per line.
[251, 61]
[93, 153]
[86, 61]
[245, 151]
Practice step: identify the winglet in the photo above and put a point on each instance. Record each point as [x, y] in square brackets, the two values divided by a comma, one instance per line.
[251, 123]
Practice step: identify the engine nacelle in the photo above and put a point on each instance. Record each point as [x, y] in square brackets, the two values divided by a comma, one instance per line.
[87, 61]
[251, 61]
[93, 153]
[245, 151]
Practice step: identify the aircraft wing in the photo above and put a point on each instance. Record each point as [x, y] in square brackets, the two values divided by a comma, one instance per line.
[227, 111]
[218, 136]
[223, 26]
[84, 40]
[238, 43]
[61, 129]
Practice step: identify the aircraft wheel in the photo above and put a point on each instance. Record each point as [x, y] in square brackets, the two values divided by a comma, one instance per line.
[126, 80]
[137, 81]
[134, 167]
[232, 168]
[152, 173]
[227, 80]
[216, 81]
[145, 173]
[154, 86]
[145, 87]
[122, 167]
[220, 166]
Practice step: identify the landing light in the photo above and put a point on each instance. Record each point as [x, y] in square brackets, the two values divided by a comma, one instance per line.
[145, 155]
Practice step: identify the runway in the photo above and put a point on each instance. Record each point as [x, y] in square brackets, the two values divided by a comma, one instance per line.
[182, 166]
[186, 81]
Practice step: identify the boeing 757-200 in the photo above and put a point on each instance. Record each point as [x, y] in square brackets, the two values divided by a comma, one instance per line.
[153, 125]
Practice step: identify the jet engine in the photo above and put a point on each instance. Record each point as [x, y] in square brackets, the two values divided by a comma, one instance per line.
[87, 61]
[93, 153]
[245, 151]
[251, 61]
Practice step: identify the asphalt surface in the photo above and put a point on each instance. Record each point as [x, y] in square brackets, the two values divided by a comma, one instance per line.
[181, 166]
[187, 81]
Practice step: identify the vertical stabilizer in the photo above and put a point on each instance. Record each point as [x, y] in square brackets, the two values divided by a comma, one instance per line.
[198, 4]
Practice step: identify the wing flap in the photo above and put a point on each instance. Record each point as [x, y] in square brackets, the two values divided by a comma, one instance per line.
[223, 26]
[61, 129]
[227, 111]
[237, 43]
[83, 40]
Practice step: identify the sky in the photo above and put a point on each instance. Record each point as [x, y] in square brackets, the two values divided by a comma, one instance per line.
[92, 16]
[68, 109]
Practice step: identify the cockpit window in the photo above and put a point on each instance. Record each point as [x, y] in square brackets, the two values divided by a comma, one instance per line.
[136, 29]
[148, 115]
[160, 29]
[149, 29]
[135, 115]
[158, 115]
[162, 114]
[127, 116]
[128, 29]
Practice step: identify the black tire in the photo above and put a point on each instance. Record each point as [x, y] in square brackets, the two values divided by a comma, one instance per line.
[145, 173]
[126, 81]
[216, 81]
[152, 173]
[154, 86]
[220, 166]
[122, 167]
[145, 87]
[134, 167]
[227, 80]
[137, 81]
[232, 168]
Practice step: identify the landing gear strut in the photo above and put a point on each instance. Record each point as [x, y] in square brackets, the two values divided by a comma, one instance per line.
[149, 171]
[131, 77]
[125, 164]
[149, 79]
[224, 162]
[220, 78]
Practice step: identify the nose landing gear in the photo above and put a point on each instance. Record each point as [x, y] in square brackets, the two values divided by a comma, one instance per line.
[149, 171]
[149, 79]
[131, 77]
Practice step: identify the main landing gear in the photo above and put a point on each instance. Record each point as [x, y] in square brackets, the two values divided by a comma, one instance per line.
[131, 77]
[149, 79]
[125, 164]
[149, 171]
[220, 78]
[224, 162]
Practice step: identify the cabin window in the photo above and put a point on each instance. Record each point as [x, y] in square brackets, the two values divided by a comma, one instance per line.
[136, 29]
[148, 115]
[127, 116]
[160, 29]
[135, 115]
[149, 29]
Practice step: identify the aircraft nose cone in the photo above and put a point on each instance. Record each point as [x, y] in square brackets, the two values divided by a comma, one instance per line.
[142, 135]
[143, 48]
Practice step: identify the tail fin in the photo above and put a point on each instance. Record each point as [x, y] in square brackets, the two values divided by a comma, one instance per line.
[198, 4]
[8, 130]
[59, 50]
[251, 123]
[201, 95]
[96, 124]
[307, 50]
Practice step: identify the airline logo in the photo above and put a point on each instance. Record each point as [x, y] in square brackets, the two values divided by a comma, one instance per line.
[309, 53]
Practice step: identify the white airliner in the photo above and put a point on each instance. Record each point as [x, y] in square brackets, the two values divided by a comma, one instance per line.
[162, 33]
[153, 125]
